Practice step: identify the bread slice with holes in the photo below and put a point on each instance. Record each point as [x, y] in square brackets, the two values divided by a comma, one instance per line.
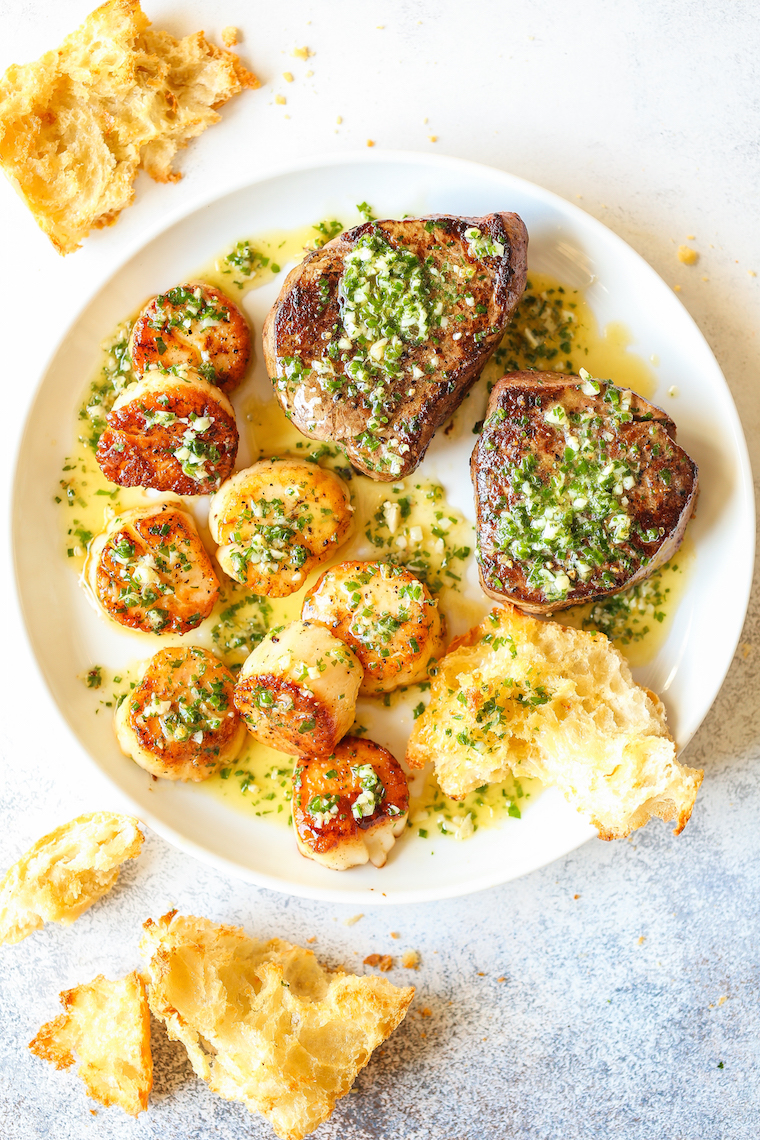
[524, 697]
[65, 872]
[105, 1028]
[263, 1022]
[76, 124]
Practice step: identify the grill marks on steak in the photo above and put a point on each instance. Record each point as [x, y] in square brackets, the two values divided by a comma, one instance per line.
[387, 422]
[525, 467]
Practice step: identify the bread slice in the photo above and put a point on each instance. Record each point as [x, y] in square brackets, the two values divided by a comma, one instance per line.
[521, 696]
[106, 1027]
[76, 124]
[65, 872]
[263, 1022]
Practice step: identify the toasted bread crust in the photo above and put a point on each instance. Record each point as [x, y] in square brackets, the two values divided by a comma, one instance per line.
[309, 305]
[519, 696]
[106, 1026]
[516, 432]
[76, 124]
[263, 1022]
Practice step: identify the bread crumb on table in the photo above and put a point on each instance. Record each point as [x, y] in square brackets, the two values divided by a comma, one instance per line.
[352, 920]
[370, 142]
[383, 962]
[687, 255]
[410, 960]
[287, 76]
[302, 53]
[229, 36]
[280, 99]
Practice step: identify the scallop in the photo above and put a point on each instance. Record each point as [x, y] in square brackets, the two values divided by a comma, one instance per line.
[349, 808]
[179, 722]
[193, 325]
[150, 571]
[277, 521]
[297, 690]
[171, 433]
[387, 617]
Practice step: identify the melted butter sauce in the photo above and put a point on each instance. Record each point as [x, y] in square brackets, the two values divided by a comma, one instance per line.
[554, 329]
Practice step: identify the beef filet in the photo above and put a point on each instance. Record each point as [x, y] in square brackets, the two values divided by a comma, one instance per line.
[375, 338]
[580, 490]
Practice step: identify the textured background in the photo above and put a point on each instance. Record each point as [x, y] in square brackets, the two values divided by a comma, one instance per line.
[629, 1000]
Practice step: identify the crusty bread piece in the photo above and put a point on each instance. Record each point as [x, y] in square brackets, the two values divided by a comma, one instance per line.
[263, 1022]
[532, 698]
[106, 1027]
[76, 124]
[65, 872]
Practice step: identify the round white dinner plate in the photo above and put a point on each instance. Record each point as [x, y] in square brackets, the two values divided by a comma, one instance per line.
[67, 636]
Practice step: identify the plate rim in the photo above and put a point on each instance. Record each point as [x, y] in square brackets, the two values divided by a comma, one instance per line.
[311, 162]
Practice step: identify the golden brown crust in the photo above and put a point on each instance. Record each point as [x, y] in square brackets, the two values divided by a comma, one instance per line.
[162, 338]
[106, 1026]
[263, 1022]
[387, 617]
[76, 124]
[65, 872]
[328, 826]
[179, 722]
[150, 571]
[296, 725]
[520, 696]
[150, 440]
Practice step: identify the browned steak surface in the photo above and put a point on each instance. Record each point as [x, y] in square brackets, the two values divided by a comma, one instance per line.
[376, 337]
[580, 490]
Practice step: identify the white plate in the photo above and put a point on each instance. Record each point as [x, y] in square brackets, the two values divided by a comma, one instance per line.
[67, 637]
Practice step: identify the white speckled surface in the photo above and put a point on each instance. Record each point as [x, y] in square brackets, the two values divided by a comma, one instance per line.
[630, 971]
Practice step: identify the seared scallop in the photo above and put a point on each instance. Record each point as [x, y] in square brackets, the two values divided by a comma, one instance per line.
[297, 690]
[194, 325]
[171, 433]
[349, 808]
[149, 570]
[179, 721]
[385, 615]
[276, 521]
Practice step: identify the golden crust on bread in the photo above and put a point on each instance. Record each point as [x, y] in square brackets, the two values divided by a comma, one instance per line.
[76, 124]
[65, 872]
[521, 696]
[106, 1028]
[263, 1022]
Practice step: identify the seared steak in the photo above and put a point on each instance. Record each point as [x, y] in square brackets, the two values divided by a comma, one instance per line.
[376, 337]
[580, 490]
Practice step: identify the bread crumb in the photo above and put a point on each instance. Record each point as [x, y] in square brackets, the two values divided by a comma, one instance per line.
[691, 237]
[576, 896]
[280, 99]
[352, 921]
[370, 142]
[501, 979]
[302, 53]
[383, 962]
[309, 74]
[481, 974]
[751, 273]
[410, 959]
[395, 934]
[705, 278]
[745, 649]
[642, 939]
[312, 939]
[676, 288]
[426, 1012]
[287, 76]
[432, 138]
[722, 1000]
[339, 120]
[687, 256]
[229, 35]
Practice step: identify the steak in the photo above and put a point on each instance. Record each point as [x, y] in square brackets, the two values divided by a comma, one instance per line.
[376, 338]
[580, 490]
